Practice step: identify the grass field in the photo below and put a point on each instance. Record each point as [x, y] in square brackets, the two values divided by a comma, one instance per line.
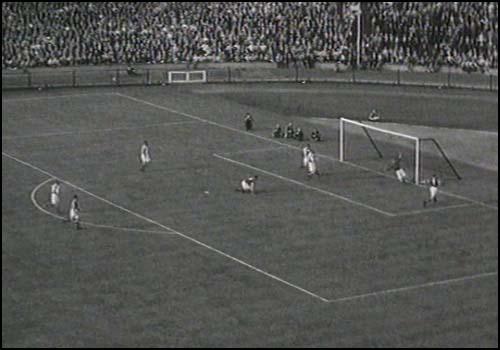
[350, 259]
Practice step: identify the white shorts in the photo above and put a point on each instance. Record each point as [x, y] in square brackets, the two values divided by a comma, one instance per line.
[145, 159]
[73, 215]
[245, 187]
[304, 162]
[311, 167]
[401, 174]
[54, 199]
[433, 190]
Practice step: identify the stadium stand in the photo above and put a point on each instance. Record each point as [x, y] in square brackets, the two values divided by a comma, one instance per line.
[83, 33]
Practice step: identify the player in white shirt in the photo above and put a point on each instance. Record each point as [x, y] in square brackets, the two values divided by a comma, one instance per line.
[248, 185]
[374, 116]
[74, 212]
[145, 156]
[305, 155]
[312, 165]
[55, 198]
[434, 183]
[289, 131]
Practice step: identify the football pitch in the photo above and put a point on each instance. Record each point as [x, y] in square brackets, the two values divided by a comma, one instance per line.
[174, 256]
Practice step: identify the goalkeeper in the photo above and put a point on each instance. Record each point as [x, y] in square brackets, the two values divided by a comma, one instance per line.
[398, 169]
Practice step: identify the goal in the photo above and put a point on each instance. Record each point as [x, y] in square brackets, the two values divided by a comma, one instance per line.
[372, 148]
[198, 76]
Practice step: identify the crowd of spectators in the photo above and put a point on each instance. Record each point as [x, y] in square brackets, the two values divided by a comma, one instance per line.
[80, 33]
[432, 34]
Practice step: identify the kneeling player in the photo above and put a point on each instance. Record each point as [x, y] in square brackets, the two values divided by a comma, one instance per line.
[248, 185]
[289, 132]
[374, 116]
[277, 133]
[433, 190]
[315, 135]
[299, 135]
[74, 212]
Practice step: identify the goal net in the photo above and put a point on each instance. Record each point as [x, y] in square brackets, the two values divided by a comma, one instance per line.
[373, 148]
[199, 76]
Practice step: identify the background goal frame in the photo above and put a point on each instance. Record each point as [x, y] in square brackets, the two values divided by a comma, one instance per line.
[191, 76]
[416, 141]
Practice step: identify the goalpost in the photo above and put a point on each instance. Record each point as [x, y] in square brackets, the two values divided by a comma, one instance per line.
[198, 76]
[371, 147]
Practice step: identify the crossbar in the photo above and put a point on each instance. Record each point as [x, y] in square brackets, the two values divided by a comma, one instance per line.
[349, 121]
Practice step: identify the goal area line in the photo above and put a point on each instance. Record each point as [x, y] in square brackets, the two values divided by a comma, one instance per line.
[415, 142]
[341, 197]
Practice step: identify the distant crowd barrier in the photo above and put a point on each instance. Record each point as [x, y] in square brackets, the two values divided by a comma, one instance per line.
[89, 76]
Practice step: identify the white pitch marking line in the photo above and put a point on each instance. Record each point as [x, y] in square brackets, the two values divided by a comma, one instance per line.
[283, 144]
[53, 97]
[418, 286]
[256, 150]
[43, 210]
[305, 185]
[419, 185]
[94, 131]
[430, 210]
[469, 200]
[215, 250]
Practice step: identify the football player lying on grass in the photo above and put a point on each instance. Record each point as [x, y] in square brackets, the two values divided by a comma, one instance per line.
[248, 185]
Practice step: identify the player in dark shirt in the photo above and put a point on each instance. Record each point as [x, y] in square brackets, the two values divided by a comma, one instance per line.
[289, 132]
[299, 134]
[397, 167]
[248, 122]
[315, 135]
[277, 132]
[74, 212]
[434, 183]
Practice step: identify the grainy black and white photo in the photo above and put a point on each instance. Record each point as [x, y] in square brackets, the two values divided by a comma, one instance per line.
[250, 174]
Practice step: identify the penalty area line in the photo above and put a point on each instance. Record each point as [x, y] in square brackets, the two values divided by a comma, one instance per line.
[431, 210]
[54, 97]
[255, 150]
[414, 287]
[446, 193]
[180, 234]
[96, 131]
[328, 193]
[86, 223]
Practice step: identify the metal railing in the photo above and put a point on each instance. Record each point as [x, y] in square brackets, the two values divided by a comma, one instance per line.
[107, 76]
